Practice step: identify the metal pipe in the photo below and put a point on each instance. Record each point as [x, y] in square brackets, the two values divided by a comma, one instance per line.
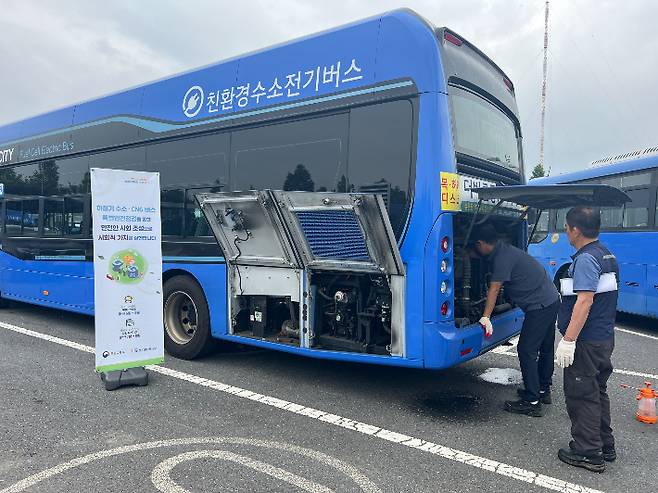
[534, 227]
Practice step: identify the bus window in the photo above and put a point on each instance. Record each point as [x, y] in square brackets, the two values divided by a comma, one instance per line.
[541, 231]
[380, 154]
[130, 159]
[561, 220]
[611, 217]
[195, 221]
[31, 217]
[305, 155]
[483, 131]
[22, 180]
[13, 217]
[197, 161]
[636, 180]
[636, 213]
[53, 217]
[72, 176]
[613, 181]
[73, 216]
[172, 210]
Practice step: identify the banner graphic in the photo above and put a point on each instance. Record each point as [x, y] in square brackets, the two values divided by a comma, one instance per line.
[127, 268]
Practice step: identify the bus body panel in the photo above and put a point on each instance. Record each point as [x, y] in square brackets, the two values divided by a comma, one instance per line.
[652, 290]
[327, 354]
[29, 280]
[400, 38]
[48, 282]
[445, 346]
[426, 207]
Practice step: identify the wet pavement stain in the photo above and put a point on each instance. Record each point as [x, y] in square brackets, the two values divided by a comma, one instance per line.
[447, 405]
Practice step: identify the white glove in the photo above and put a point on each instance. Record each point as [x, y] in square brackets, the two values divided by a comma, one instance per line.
[565, 353]
[486, 325]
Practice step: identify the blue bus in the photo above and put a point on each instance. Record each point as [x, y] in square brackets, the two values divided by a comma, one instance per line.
[628, 230]
[389, 107]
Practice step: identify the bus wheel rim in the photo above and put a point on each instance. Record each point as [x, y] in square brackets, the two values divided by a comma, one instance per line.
[180, 317]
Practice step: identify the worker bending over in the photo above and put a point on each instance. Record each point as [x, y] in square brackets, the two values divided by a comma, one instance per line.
[527, 285]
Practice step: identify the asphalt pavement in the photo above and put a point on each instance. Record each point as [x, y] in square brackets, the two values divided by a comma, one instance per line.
[256, 420]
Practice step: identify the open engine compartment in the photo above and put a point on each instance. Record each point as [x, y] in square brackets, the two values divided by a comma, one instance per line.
[472, 273]
[351, 312]
[314, 270]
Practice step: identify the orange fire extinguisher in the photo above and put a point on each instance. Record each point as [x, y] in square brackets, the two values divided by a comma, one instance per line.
[646, 405]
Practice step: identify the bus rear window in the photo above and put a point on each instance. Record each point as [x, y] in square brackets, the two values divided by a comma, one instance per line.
[482, 130]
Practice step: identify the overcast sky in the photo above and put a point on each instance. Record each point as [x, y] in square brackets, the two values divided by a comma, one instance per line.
[602, 85]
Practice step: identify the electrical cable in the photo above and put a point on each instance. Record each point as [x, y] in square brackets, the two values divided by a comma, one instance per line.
[237, 240]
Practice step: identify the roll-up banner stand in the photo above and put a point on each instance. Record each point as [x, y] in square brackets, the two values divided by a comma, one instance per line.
[127, 274]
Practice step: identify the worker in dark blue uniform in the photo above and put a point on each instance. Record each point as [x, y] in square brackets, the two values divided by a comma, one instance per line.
[586, 321]
[527, 285]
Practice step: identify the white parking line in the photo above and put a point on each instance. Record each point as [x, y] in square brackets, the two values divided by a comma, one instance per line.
[506, 348]
[484, 463]
[635, 373]
[641, 334]
[621, 371]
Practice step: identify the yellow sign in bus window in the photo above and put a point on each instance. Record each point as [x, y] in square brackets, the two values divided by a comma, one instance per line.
[449, 191]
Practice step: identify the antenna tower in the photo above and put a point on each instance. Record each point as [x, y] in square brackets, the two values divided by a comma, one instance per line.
[543, 89]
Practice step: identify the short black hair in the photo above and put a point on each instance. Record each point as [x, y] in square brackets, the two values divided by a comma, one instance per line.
[586, 219]
[487, 233]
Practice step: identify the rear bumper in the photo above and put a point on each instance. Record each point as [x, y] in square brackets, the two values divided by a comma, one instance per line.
[447, 346]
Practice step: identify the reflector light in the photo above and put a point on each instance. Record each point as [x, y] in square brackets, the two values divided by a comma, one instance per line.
[464, 352]
[445, 244]
[452, 38]
[444, 308]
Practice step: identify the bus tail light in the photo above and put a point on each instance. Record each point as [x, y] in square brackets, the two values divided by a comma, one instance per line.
[452, 38]
[445, 244]
[444, 308]
[444, 287]
[444, 266]
[509, 84]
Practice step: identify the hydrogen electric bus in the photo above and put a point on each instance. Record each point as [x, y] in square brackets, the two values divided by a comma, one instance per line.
[388, 114]
[628, 230]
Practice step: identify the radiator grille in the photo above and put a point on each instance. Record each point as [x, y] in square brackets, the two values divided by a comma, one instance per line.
[334, 234]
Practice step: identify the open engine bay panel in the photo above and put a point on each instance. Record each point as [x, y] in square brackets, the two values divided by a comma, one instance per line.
[310, 269]
[472, 273]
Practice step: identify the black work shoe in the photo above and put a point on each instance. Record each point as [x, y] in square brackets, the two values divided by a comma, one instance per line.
[544, 395]
[593, 463]
[609, 454]
[524, 407]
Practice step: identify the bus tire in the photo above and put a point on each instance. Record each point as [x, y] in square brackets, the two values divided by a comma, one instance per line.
[186, 319]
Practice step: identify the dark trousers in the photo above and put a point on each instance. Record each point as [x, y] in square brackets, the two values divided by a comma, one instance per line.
[535, 350]
[585, 392]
